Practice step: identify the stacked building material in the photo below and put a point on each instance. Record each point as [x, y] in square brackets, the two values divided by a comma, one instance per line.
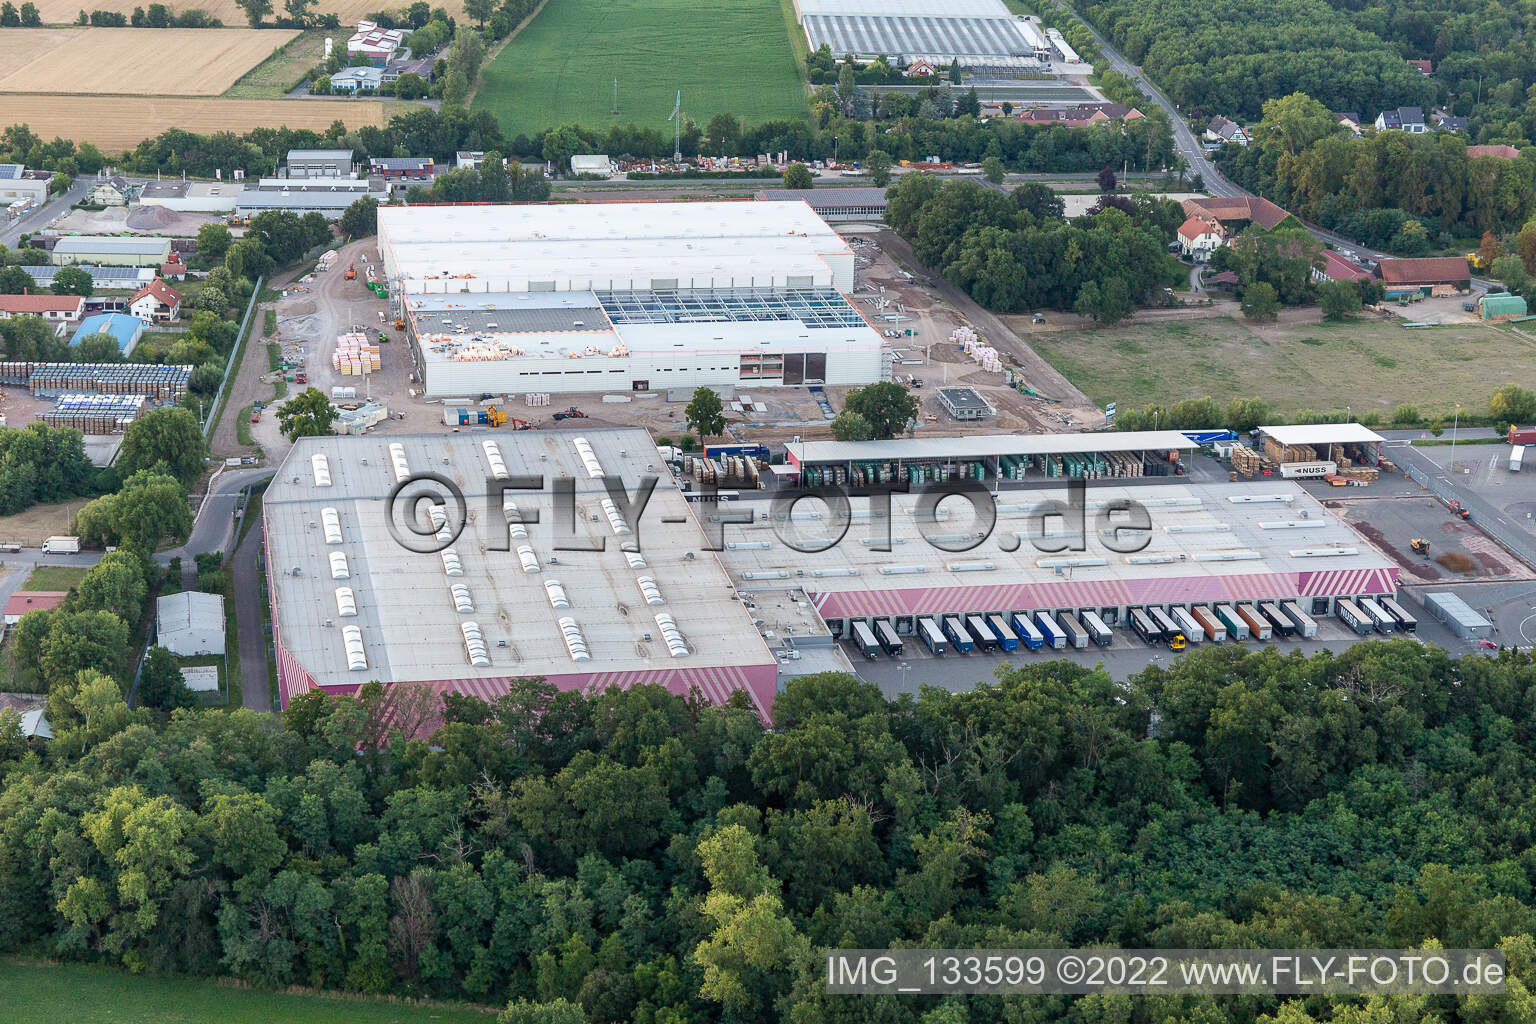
[164, 384]
[1283, 453]
[95, 414]
[354, 356]
[1245, 460]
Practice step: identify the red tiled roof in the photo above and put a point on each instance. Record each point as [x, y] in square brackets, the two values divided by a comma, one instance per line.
[1503, 152]
[163, 293]
[167, 269]
[40, 304]
[24, 601]
[1261, 211]
[1340, 269]
[1431, 270]
[1425, 67]
[1194, 228]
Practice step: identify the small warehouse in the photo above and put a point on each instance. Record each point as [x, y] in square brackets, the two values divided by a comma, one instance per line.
[1437, 275]
[319, 163]
[139, 251]
[190, 623]
[592, 163]
[1501, 306]
[1457, 614]
[126, 329]
[832, 204]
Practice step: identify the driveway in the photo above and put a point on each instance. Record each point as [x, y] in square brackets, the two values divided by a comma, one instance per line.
[38, 218]
[246, 576]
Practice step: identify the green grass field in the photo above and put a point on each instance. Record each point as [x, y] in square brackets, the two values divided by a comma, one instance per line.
[54, 577]
[273, 77]
[559, 70]
[82, 994]
[1364, 364]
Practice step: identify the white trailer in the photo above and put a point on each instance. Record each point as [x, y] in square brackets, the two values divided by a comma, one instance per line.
[1516, 457]
[1193, 631]
[1305, 624]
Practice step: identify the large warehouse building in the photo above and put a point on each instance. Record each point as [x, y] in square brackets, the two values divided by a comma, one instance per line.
[626, 296]
[603, 602]
[977, 33]
[1208, 544]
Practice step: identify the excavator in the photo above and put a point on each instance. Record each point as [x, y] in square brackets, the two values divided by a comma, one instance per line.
[1420, 546]
[1457, 509]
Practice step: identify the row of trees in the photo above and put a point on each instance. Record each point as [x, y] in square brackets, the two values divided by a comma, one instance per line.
[1016, 252]
[1509, 404]
[632, 856]
[1409, 193]
[26, 17]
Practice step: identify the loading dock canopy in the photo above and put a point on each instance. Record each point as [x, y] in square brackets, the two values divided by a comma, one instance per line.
[911, 449]
[1323, 433]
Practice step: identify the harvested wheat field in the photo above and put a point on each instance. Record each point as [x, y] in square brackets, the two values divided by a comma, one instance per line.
[64, 12]
[132, 61]
[117, 123]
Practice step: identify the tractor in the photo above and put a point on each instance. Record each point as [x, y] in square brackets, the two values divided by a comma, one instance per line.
[570, 413]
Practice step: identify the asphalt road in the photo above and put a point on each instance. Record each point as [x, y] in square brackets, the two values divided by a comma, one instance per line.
[39, 217]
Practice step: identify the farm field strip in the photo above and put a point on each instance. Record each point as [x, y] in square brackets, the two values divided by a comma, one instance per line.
[117, 123]
[133, 61]
[64, 12]
[560, 69]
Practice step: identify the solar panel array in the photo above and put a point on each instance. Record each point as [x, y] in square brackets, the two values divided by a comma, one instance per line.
[868, 35]
[97, 273]
[814, 307]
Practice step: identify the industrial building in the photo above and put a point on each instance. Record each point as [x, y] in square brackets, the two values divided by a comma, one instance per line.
[977, 33]
[585, 600]
[1207, 543]
[190, 623]
[832, 204]
[103, 279]
[1463, 620]
[125, 330]
[329, 204]
[19, 184]
[625, 296]
[318, 163]
[112, 250]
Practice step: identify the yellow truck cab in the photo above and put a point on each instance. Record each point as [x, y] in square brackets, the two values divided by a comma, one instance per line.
[1177, 643]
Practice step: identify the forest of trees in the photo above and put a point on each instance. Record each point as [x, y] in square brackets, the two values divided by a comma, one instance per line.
[1227, 57]
[1407, 193]
[635, 857]
[1015, 251]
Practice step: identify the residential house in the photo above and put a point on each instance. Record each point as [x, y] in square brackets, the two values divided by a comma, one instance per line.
[1220, 130]
[173, 271]
[1449, 123]
[375, 43]
[360, 79]
[1435, 275]
[57, 310]
[32, 707]
[401, 168]
[1350, 119]
[155, 301]
[1402, 119]
[1498, 152]
[24, 601]
[920, 69]
[421, 67]
[1425, 67]
[1080, 115]
[113, 191]
[1337, 268]
[1199, 238]
[1236, 213]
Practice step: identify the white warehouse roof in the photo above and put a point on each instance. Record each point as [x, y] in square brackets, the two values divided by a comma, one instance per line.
[540, 247]
[1323, 433]
[903, 9]
[190, 623]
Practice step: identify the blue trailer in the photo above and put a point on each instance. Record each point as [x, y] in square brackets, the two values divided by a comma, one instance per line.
[955, 630]
[1055, 636]
[717, 451]
[1006, 638]
[1027, 631]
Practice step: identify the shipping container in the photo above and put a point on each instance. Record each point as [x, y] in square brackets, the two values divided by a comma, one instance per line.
[1384, 621]
[1353, 617]
[1278, 619]
[1258, 625]
[1405, 622]
[932, 637]
[886, 634]
[1077, 636]
[1215, 629]
[865, 638]
[1164, 622]
[977, 626]
[1032, 637]
[1516, 457]
[1055, 637]
[1188, 625]
[1006, 638]
[1096, 628]
[1237, 626]
[958, 637]
[1305, 624]
[1144, 626]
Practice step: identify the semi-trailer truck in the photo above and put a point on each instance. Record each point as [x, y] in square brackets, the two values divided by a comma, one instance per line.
[1028, 632]
[865, 638]
[978, 628]
[1143, 626]
[1385, 623]
[1278, 619]
[1215, 630]
[1405, 622]
[1236, 625]
[1055, 637]
[1258, 626]
[889, 640]
[1165, 624]
[1188, 625]
[959, 639]
[932, 637]
[1097, 629]
[1305, 624]
[1350, 614]
[1077, 636]
[1006, 637]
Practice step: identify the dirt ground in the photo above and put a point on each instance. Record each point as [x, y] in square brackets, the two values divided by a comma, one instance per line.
[1391, 523]
[140, 220]
[31, 527]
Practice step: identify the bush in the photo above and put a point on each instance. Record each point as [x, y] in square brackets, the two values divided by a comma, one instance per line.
[1406, 416]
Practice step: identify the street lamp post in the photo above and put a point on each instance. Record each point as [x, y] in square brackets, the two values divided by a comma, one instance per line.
[1455, 420]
